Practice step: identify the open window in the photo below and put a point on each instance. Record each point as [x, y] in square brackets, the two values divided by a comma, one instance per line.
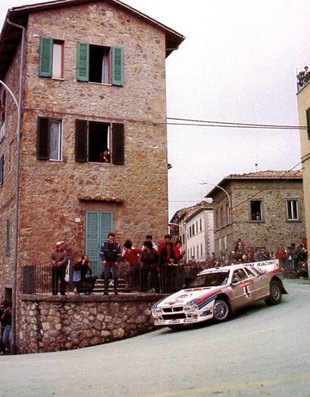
[51, 58]
[49, 139]
[92, 137]
[99, 64]
[256, 211]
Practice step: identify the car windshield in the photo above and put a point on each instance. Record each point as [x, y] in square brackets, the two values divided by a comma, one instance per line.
[210, 279]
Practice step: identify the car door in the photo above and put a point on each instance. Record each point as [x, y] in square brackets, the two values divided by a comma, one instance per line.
[260, 288]
[242, 289]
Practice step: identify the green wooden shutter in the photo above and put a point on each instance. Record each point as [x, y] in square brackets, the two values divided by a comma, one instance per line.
[46, 57]
[81, 141]
[43, 138]
[118, 144]
[98, 225]
[308, 122]
[82, 67]
[117, 66]
[1, 169]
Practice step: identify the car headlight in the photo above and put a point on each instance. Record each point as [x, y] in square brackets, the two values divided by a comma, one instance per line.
[190, 308]
[157, 311]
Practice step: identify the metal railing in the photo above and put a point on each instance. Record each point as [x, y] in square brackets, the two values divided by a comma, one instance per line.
[37, 279]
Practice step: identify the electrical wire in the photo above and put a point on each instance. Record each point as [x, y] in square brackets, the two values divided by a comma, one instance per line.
[210, 123]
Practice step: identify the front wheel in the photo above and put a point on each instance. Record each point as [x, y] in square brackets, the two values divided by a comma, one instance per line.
[221, 310]
[275, 293]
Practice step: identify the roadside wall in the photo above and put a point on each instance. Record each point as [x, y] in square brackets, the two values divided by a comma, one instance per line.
[64, 323]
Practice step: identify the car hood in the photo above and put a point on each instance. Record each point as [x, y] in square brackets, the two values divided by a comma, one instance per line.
[190, 296]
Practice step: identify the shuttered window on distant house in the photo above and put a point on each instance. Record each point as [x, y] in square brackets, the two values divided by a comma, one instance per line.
[92, 137]
[99, 64]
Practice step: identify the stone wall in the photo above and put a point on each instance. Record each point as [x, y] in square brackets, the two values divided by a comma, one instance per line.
[63, 323]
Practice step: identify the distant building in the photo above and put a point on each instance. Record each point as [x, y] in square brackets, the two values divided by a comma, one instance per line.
[264, 209]
[196, 231]
[303, 101]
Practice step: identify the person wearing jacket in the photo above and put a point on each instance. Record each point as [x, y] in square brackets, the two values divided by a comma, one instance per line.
[110, 255]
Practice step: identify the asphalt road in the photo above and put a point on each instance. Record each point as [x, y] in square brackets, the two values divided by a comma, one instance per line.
[263, 351]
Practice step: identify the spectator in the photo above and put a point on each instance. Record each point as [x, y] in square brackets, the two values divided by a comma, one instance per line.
[110, 255]
[59, 262]
[105, 156]
[166, 260]
[132, 256]
[150, 276]
[82, 276]
[149, 237]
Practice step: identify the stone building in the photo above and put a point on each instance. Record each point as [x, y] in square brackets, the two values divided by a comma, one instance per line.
[263, 209]
[303, 101]
[78, 76]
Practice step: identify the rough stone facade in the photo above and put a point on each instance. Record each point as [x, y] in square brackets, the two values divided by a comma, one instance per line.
[232, 218]
[54, 197]
[56, 323]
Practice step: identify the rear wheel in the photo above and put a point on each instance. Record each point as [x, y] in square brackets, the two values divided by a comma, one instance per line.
[221, 310]
[275, 293]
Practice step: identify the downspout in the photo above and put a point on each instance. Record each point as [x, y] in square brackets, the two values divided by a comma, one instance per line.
[18, 138]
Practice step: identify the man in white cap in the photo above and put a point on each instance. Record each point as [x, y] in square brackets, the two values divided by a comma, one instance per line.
[59, 262]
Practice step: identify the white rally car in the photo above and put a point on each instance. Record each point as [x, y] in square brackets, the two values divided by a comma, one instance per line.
[216, 293]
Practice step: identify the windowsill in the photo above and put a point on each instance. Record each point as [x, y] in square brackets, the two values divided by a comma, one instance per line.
[94, 82]
[58, 78]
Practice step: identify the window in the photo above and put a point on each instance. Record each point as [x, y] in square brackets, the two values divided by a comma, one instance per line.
[49, 139]
[308, 122]
[92, 137]
[51, 58]
[292, 210]
[99, 64]
[256, 212]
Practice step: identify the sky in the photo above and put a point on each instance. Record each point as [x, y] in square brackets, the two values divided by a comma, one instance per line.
[238, 64]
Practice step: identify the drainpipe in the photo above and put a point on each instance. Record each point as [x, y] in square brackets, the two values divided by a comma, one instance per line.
[18, 137]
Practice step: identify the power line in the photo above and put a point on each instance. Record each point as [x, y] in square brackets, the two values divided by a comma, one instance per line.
[210, 123]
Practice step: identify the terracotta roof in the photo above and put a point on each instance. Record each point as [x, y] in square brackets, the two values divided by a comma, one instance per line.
[11, 35]
[259, 175]
[268, 174]
[190, 211]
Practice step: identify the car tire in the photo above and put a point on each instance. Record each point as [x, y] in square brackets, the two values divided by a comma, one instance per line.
[275, 293]
[221, 310]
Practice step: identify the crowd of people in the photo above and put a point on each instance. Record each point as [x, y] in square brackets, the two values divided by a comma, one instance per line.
[149, 268]
[153, 268]
[303, 77]
[292, 258]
